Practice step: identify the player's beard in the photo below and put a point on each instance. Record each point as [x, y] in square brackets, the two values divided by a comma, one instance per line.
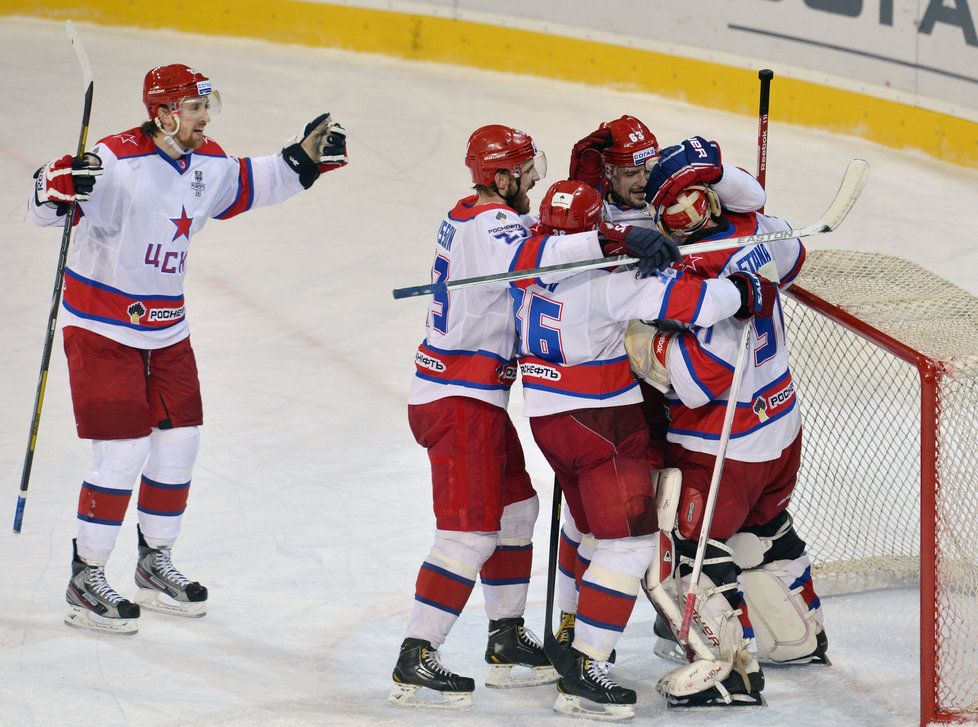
[189, 140]
[519, 200]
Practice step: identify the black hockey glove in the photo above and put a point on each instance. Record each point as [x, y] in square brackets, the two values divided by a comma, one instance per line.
[319, 148]
[654, 250]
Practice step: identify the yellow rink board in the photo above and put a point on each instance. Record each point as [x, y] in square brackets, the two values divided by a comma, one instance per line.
[420, 37]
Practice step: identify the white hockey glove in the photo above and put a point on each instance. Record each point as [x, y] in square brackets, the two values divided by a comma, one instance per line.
[66, 180]
[319, 148]
[647, 348]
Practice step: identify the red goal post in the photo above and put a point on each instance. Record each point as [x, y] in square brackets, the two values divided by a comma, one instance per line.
[885, 357]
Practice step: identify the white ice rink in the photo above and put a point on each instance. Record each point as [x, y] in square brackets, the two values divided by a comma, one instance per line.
[310, 510]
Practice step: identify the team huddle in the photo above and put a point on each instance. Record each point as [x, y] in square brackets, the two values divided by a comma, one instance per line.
[627, 373]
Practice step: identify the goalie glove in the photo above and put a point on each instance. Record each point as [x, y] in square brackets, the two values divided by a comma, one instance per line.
[319, 148]
[66, 180]
[647, 348]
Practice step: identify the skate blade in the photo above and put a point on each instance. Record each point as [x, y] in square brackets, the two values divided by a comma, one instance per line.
[406, 695]
[153, 600]
[737, 700]
[500, 676]
[84, 620]
[669, 650]
[573, 706]
[813, 660]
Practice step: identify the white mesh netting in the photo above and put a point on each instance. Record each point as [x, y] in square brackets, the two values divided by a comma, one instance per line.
[857, 503]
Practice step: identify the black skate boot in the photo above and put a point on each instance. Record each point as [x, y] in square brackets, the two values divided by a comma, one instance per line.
[92, 602]
[164, 589]
[589, 692]
[511, 645]
[418, 666]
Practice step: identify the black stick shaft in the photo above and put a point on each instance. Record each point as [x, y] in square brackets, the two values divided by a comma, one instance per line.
[765, 75]
[42, 378]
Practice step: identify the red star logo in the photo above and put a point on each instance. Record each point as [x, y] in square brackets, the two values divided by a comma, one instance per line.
[689, 263]
[183, 224]
[128, 139]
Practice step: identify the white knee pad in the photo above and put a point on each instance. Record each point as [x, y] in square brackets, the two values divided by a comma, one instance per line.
[628, 556]
[172, 454]
[116, 463]
[462, 552]
[516, 524]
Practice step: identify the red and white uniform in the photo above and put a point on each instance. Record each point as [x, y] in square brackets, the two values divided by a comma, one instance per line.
[767, 418]
[737, 190]
[572, 333]
[471, 340]
[128, 258]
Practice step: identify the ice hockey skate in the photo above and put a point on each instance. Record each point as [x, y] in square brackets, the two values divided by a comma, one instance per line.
[93, 605]
[164, 589]
[512, 647]
[590, 693]
[418, 666]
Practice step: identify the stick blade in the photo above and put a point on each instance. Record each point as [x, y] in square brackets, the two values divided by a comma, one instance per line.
[79, 47]
[853, 181]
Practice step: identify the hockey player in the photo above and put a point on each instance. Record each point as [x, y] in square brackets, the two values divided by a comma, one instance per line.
[485, 506]
[132, 371]
[615, 159]
[585, 413]
[751, 534]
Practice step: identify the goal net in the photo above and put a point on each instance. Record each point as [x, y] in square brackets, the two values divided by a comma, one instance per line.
[885, 357]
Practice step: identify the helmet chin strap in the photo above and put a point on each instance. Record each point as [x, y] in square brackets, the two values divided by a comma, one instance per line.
[170, 135]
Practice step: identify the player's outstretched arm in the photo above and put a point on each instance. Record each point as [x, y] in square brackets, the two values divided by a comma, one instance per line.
[319, 148]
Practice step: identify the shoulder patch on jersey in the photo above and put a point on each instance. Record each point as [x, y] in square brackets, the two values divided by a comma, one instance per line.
[210, 148]
[131, 143]
[468, 208]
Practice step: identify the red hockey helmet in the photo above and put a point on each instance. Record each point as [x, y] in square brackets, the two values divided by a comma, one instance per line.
[568, 207]
[631, 143]
[169, 85]
[689, 212]
[496, 147]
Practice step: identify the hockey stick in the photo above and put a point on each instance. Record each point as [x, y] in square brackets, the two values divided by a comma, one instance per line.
[711, 499]
[562, 659]
[765, 75]
[852, 184]
[58, 283]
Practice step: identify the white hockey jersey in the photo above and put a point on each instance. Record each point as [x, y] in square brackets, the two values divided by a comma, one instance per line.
[572, 333]
[470, 346]
[701, 369]
[126, 267]
[737, 190]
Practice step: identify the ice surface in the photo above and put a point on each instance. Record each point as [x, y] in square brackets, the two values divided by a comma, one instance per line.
[310, 510]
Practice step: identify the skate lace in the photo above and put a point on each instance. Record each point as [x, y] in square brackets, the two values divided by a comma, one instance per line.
[597, 671]
[529, 638]
[97, 584]
[163, 567]
[433, 663]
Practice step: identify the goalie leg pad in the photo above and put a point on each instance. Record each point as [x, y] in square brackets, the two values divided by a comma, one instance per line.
[784, 627]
